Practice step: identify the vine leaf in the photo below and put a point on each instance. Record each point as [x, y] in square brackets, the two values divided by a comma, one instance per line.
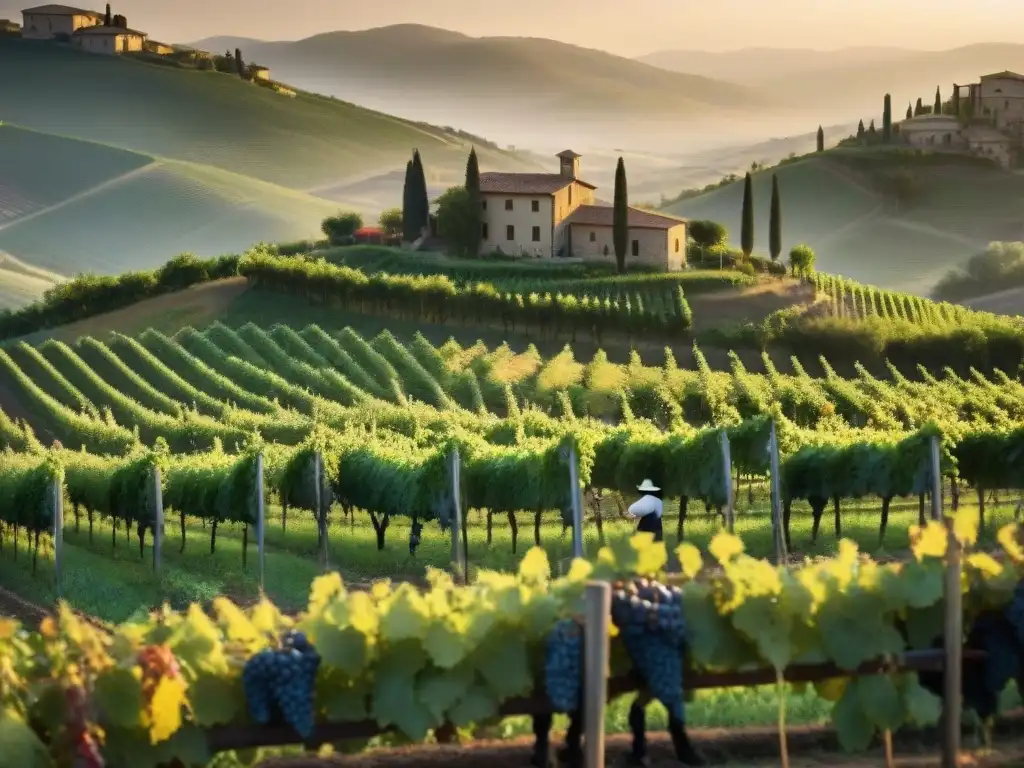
[405, 615]
[921, 705]
[165, 709]
[690, 560]
[725, 547]
[505, 666]
[441, 690]
[476, 706]
[881, 701]
[929, 541]
[342, 647]
[214, 700]
[20, 744]
[118, 693]
[852, 725]
[922, 583]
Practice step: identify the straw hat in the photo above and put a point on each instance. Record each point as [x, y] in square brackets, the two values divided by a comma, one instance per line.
[647, 485]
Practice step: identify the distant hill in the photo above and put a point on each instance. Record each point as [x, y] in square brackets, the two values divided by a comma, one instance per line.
[839, 203]
[854, 78]
[754, 65]
[301, 142]
[494, 82]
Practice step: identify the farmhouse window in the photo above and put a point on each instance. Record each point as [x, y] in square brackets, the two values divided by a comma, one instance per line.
[636, 247]
[508, 204]
[593, 237]
[484, 232]
[510, 232]
[677, 245]
[570, 195]
[483, 205]
[536, 234]
[535, 206]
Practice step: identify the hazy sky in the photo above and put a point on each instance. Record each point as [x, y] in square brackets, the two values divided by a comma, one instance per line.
[626, 27]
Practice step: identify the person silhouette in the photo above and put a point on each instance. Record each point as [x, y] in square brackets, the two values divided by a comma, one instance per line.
[648, 510]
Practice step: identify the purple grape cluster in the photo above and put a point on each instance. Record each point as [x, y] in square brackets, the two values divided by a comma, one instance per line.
[279, 682]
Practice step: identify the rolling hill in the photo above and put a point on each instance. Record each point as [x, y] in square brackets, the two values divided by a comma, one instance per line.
[302, 141]
[837, 203]
[500, 86]
[852, 79]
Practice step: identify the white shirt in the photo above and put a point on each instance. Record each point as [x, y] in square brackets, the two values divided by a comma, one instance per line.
[646, 505]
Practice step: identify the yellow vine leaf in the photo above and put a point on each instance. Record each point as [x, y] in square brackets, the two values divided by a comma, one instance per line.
[725, 547]
[165, 709]
[690, 560]
[930, 541]
[323, 590]
[1010, 540]
[984, 562]
[535, 566]
[965, 526]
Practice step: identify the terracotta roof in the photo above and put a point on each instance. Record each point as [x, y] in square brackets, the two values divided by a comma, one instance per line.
[61, 10]
[602, 215]
[526, 183]
[1004, 75]
[568, 153]
[110, 31]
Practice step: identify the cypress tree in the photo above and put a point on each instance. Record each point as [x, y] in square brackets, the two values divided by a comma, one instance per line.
[408, 226]
[887, 119]
[938, 102]
[620, 216]
[918, 108]
[821, 139]
[775, 222]
[860, 130]
[419, 203]
[108, 20]
[239, 64]
[475, 198]
[871, 128]
[747, 221]
[910, 112]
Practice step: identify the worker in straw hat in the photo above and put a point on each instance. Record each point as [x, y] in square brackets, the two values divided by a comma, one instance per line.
[648, 509]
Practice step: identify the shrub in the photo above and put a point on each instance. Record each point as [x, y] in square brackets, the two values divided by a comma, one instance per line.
[337, 228]
[801, 260]
[999, 267]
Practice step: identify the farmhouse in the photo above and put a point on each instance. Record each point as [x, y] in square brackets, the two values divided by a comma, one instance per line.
[53, 22]
[548, 215]
[160, 49]
[991, 116]
[109, 40]
[933, 131]
[256, 72]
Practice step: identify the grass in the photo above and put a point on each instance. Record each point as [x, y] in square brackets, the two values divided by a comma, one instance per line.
[215, 119]
[834, 204]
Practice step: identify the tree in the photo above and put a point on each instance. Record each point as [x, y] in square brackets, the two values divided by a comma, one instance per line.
[887, 119]
[775, 222]
[937, 109]
[860, 130]
[391, 222]
[458, 221]
[473, 190]
[707, 234]
[910, 112]
[620, 216]
[747, 217]
[338, 229]
[801, 260]
[420, 201]
[108, 20]
[239, 63]
[407, 213]
[821, 140]
[918, 108]
[871, 129]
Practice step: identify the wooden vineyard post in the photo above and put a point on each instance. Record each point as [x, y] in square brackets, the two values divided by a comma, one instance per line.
[936, 477]
[158, 521]
[458, 552]
[781, 556]
[727, 471]
[953, 625]
[57, 489]
[596, 657]
[261, 519]
[576, 498]
[321, 518]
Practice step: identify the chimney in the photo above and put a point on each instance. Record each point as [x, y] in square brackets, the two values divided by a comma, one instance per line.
[569, 166]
